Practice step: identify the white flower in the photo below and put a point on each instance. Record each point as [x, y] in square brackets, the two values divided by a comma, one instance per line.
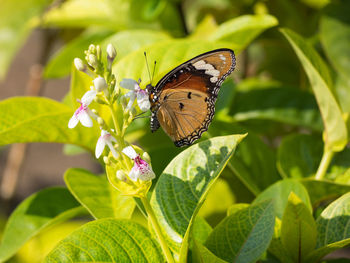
[105, 139]
[100, 84]
[136, 93]
[83, 113]
[141, 170]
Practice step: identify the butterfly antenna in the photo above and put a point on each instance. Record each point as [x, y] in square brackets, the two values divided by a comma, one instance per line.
[149, 73]
[154, 70]
[139, 116]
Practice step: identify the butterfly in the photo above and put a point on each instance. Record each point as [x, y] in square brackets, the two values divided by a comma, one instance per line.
[183, 101]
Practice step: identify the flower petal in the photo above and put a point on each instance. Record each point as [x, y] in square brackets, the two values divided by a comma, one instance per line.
[143, 101]
[129, 84]
[147, 175]
[132, 97]
[134, 174]
[100, 146]
[130, 152]
[110, 146]
[88, 97]
[73, 121]
[85, 119]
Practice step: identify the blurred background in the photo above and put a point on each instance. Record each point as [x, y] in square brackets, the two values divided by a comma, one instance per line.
[40, 38]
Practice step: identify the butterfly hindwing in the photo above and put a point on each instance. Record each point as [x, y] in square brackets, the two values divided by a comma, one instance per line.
[183, 101]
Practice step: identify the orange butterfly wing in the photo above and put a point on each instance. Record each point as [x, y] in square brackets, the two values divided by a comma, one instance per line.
[183, 101]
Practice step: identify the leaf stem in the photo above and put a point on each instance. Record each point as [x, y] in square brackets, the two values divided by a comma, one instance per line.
[156, 227]
[325, 161]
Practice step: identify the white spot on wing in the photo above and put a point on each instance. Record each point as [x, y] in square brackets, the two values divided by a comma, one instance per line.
[222, 57]
[213, 79]
[209, 69]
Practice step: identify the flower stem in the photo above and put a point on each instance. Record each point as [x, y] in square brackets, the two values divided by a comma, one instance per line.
[325, 161]
[156, 227]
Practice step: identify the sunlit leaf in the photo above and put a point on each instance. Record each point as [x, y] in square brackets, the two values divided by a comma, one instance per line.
[333, 228]
[243, 29]
[321, 83]
[107, 240]
[245, 235]
[333, 223]
[97, 195]
[47, 121]
[335, 35]
[184, 185]
[42, 209]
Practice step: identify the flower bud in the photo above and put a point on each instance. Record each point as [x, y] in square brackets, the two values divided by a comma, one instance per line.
[98, 51]
[111, 52]
[121, 175]
[92, 48]
[100, 84]
[146, 157]
[123, 101]
[100, 121]
[133, 111]
[79, 64]
[92, 60]
[106, 160]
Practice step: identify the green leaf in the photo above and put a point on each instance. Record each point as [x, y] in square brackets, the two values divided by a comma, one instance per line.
[335, 35]
[107, 240]
[298, 231]
[321, 83]
[200, 254]
[39, 211]
[245, 235]
[184, 185]
[97, 195]
[33, 119]
[334, 222]
[15, 25]
[242, 30]
[60, 63]
[280, 104]
[127, 41]
[299, 155]
[279, 193]
[320, 191]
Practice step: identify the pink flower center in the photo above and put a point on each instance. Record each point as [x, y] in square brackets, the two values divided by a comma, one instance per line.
[141, 164]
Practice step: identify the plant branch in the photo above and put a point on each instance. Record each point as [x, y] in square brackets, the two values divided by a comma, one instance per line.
[325, 161]
[168, 256]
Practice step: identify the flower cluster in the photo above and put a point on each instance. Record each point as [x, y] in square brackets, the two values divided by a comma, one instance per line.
[126, 169]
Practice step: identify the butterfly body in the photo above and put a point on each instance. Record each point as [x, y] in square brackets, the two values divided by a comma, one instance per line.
[183, 101]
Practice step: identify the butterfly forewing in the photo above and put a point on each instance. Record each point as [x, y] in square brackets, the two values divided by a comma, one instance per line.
[183, 101]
